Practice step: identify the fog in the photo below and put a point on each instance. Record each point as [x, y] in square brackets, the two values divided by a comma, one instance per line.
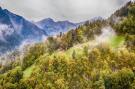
[106, 35]
[72, 10]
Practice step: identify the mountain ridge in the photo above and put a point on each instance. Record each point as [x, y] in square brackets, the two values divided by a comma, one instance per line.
[55, 27]
[23, 29]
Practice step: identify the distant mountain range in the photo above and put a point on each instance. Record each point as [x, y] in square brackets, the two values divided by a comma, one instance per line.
[15, 29]
[53, 28]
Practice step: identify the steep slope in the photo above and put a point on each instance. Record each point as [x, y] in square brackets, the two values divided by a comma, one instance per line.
[14, 29]
[79, 59]
[120, 13]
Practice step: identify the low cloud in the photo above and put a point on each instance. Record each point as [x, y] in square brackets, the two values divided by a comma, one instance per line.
[106, 35]
[73, 10]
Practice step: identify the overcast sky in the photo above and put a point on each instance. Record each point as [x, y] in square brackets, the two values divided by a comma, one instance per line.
[72, 10]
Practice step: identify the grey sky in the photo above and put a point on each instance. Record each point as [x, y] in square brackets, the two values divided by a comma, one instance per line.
[73, 10]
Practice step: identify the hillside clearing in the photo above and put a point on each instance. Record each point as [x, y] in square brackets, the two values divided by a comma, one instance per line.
[117, 41]
[28, 71]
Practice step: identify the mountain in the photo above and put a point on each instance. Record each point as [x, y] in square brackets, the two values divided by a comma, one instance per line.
[14, 29]
[96, 55]
[54, 28]
[120, 14]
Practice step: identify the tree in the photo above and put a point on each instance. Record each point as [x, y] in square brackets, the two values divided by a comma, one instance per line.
[32, 54]
[119, 80]
[74, 54]
[11, 79]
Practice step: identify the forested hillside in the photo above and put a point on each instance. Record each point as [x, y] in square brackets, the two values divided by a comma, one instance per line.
[99, 54]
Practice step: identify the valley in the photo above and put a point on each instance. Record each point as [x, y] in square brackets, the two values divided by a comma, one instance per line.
[98, 54]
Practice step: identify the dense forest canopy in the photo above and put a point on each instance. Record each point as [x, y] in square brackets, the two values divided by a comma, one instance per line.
[99, 54]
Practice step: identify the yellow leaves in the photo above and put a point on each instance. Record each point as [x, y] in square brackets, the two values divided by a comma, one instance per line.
[60, 83]
[60, 70]
[134, 68]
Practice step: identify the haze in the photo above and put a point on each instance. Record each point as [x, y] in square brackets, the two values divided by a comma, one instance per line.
[72, 10]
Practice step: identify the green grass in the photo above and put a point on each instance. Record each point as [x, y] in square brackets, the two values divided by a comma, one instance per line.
[78, 49]
[28, 71]
[117, 41]
[71, 50]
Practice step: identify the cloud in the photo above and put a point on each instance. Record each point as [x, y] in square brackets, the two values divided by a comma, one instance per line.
[73, 10]
[5, 30]
[107, 34]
